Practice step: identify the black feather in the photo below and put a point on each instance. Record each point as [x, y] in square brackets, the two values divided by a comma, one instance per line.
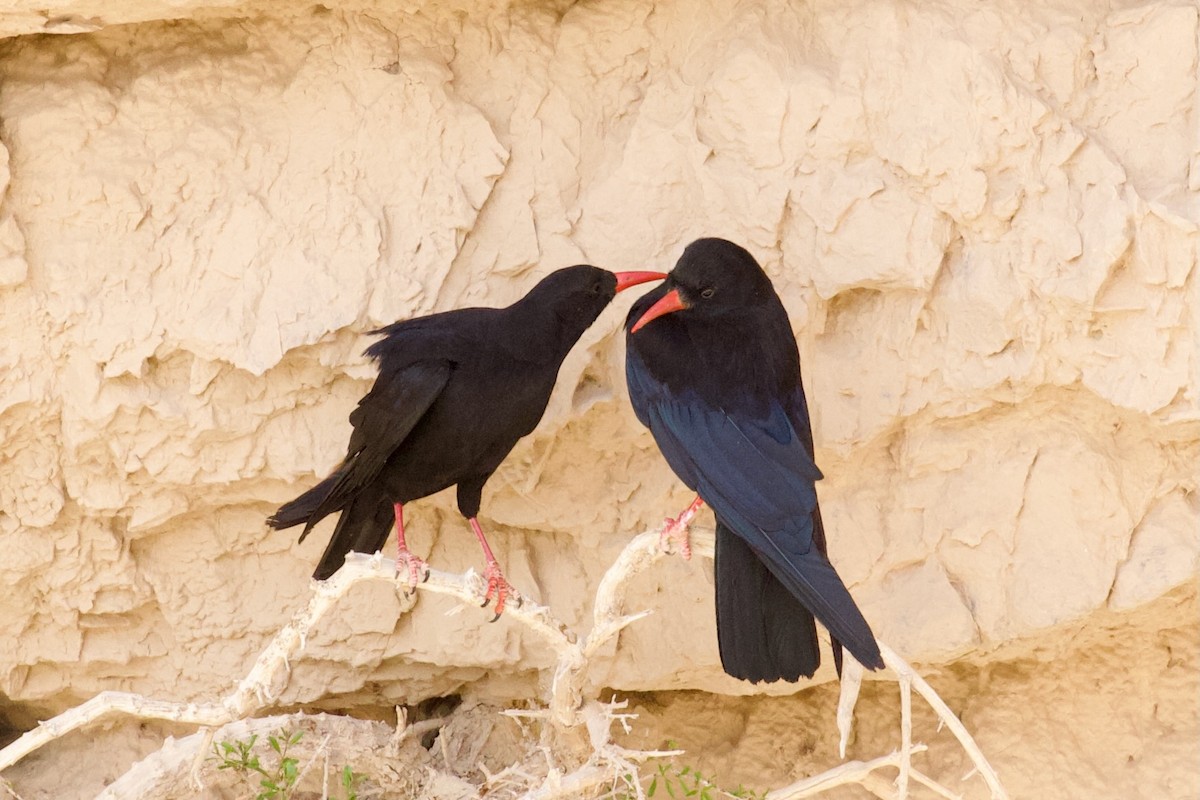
[454, 394]
[764, 632]
[718, 384]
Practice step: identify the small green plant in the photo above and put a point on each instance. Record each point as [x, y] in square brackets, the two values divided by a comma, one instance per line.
[276, 783]
[350, 779]
[678, 782]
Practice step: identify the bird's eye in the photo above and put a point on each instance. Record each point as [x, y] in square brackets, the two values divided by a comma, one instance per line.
[595, 288]
[707, 293]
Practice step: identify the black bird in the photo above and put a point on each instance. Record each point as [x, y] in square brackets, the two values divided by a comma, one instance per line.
[714, 373]
[455, 392]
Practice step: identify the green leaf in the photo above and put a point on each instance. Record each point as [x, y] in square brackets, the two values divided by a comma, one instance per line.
[653, 787]
[296, 737]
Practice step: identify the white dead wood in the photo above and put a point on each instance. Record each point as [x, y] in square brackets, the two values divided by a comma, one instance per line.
[569, 703]
[860, 772]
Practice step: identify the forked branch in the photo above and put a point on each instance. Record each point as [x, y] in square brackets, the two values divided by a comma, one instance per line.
[569, 703]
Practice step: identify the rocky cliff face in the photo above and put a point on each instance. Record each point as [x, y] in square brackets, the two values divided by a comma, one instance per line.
[982, 218]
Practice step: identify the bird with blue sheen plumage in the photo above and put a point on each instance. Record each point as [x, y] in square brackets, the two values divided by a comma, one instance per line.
[714, 373]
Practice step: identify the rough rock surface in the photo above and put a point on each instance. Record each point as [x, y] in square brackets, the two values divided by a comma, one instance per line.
[983, 218]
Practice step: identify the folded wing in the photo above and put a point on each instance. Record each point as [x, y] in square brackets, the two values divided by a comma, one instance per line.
[759, 478]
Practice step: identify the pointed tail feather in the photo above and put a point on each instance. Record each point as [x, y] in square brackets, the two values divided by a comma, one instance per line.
[363, 527]
[823, 548]
[815, 583]
[302, 509]
[764, 633]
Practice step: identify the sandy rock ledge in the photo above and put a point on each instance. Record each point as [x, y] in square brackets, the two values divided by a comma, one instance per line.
[982, 216]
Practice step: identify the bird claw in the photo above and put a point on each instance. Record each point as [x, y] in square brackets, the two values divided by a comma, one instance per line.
[415, 565]
[675, 532]
[497, 585]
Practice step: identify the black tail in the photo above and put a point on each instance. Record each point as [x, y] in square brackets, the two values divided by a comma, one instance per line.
[814, 582]
[302, 508]
[764, 633]
[363, 527]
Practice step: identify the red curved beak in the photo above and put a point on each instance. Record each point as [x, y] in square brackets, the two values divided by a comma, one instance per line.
[667, 304]
[627, 279]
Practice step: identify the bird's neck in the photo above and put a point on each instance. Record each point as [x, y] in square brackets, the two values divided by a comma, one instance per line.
[740, 358]
[540, 332]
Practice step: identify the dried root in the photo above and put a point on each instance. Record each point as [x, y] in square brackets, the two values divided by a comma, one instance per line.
[597, 765]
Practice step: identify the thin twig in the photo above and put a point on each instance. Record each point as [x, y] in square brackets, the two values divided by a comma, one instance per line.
[906, 744]
[8, 790]
[902, 667]
[930, 783]
[852, 772]
[322, 749]
[852, 675]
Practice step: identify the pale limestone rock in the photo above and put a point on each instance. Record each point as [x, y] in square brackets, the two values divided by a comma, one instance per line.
[1164, 553]
[13, 268]
[925, 613]
[978, 215]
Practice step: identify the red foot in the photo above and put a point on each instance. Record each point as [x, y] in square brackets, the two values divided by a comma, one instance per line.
[404, 557]
[500, 587]
[418, 569]
[675, 534]
[675, 531]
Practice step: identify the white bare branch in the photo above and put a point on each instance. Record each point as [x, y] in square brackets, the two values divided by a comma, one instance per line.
[110, 703]
[539, 777]
[850, 773]
[908, 678]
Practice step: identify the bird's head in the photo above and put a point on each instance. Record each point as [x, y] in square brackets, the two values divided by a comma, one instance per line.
[713, 277]
[580, 293]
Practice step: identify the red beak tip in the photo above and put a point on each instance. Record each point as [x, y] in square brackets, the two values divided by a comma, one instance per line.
[628, 279]
[669, 303]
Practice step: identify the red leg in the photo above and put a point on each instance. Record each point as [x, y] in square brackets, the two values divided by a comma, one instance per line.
[403, 555]
[675, 531]
[496, 583]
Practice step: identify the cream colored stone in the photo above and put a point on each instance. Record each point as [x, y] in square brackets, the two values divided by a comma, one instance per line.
[979, 216]
[1164, 552]
[925, 614]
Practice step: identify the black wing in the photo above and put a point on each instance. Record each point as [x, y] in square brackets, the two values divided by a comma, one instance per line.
[382, 421]
[759, 478]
